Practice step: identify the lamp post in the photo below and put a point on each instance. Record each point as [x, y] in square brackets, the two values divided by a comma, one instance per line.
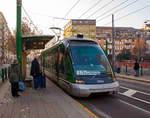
[18, 32]
[113, 43]
[57, 34]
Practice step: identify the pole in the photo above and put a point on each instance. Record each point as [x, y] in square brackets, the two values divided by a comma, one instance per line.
[113, 44]
[18, 34]
[106, 51]
[138, 47]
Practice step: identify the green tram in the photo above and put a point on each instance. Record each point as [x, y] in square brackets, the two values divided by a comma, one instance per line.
[80, 67]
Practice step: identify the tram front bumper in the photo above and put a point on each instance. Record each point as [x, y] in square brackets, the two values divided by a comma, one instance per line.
[84, 90]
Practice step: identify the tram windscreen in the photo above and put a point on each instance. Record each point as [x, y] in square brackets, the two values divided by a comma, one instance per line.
[89, 60]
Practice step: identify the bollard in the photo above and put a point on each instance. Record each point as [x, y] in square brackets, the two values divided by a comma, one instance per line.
[126, 69]
[141, 70]
[8, 71]
[3, 74]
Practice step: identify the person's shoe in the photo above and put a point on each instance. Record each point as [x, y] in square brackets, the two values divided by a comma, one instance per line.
[17, 95]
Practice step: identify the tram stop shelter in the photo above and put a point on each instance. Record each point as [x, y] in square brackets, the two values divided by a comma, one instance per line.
[32, 42]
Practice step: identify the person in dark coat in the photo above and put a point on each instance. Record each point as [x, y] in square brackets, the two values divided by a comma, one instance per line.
[14, 78]
[35, 68]
[136, 68]
[35, 72]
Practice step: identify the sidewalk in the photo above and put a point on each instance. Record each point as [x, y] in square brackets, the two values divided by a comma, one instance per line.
[49, 102]
[145, 79]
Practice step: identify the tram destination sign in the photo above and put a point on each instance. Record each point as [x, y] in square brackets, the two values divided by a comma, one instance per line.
[35, 45]
[35, 42]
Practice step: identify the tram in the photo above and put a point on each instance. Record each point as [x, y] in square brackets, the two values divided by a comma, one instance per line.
[80, 67]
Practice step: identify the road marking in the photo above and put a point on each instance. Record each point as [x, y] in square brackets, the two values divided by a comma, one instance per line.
[135, 90]
[87, 109]
[136, 98]
[135, 106]
[94, 109]
[129, 93]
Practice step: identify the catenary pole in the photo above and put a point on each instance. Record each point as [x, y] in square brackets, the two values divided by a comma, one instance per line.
[18, 34]
[113, 43]
[106, 50]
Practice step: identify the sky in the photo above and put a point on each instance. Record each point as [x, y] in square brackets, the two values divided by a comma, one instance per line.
[47, 13]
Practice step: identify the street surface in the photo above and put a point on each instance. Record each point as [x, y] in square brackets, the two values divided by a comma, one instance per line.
[133, 101]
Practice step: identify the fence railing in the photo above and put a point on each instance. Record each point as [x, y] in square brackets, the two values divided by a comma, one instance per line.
[127, 68]
[4, 71]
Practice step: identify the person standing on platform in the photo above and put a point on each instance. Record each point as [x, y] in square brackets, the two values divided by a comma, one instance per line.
[136, 68]
[35, 72]
[14, 78]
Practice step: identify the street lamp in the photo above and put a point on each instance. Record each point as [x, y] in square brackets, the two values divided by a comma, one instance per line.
[57, 34]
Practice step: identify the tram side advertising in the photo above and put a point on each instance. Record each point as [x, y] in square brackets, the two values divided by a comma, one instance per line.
[80, 67]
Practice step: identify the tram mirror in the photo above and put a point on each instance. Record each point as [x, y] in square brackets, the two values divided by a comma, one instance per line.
[67, 51]
[62, 50]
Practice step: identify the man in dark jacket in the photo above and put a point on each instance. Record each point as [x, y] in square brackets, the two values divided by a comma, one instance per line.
[35, 72]
[136, 68]
[14, 78]
[35, 68]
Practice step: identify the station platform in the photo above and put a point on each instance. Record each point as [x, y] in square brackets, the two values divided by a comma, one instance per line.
[49, 102]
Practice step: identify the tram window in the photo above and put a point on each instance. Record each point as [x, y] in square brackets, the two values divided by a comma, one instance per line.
[61, 64]
[66, 64]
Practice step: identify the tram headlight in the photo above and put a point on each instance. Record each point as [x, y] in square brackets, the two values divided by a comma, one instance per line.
[113, 79]
[112, 76]
[78, 81]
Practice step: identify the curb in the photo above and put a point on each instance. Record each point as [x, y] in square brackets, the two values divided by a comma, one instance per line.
[132, 78]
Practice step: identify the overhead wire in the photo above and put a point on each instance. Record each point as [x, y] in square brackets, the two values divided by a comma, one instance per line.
[70, 10]
[100, 8]
[112, 8]
[118, 10]
[30, 19]
[54, 17]
[94, 5]
[130, 13]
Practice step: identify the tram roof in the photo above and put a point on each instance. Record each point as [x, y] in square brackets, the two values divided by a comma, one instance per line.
[67, 40]
[36, 41]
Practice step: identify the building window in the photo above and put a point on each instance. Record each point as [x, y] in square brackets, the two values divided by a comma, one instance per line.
[86, 22]
[74, 35]
[93, 34]
[75, 27]
[74, 22]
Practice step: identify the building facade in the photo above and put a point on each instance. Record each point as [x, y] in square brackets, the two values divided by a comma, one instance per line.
[80, 26]
[5, 35]
[125, 38]
[146, 28]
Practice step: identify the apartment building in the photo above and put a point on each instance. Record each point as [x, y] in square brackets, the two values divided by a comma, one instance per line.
[80, 26]
[4, 36]
[146, 28]
[125, 38]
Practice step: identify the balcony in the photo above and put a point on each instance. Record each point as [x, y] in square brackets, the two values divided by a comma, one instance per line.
[127, 43]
